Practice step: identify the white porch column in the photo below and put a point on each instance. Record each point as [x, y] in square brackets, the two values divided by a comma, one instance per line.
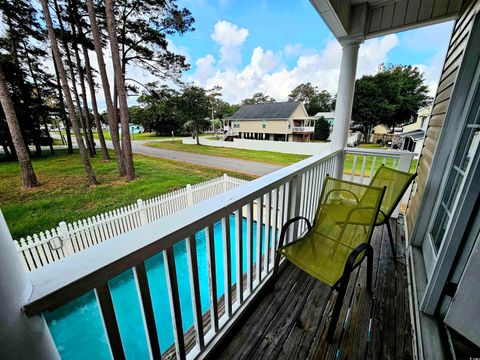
[345, 92]
[21, 337]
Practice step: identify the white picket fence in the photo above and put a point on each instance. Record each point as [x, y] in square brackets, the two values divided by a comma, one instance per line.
[52, 245]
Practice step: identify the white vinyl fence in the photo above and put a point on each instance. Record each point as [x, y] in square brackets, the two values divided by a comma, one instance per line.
[52, 245]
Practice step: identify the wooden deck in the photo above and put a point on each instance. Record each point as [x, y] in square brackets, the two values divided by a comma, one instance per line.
[291, 321]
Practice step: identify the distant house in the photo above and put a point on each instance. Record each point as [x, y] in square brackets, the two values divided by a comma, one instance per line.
[329, 116]
[413, 134]
[134, 129]
[282, 121]
[381, 134]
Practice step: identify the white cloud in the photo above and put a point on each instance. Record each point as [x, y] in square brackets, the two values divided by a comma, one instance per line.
[267, 72]
[432, 70]
[230, 37]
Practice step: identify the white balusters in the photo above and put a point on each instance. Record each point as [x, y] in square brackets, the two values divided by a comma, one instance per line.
[88, 232]
[239, 254]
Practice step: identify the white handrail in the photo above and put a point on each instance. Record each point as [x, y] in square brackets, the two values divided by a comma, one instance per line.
[271, 199]
[88, 269]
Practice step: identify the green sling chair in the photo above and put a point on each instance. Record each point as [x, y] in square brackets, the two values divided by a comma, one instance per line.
[396, 182]
[339, 238]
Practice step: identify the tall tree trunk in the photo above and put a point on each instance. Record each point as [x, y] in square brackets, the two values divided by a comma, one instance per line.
[12, 148]
[93, 98]
[83, 115]
[63, 113]
[122, 94]
[28, 175]
[112, 120]
[91, 84]
[74, 26]
[68, 97]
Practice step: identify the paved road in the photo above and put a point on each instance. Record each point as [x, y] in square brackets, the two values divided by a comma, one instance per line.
[243, 166]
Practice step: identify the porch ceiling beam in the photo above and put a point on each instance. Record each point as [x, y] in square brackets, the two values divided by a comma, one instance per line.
[373, 18]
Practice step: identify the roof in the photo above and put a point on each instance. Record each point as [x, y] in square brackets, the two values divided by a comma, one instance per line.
[326, 115]
[279, 110]
[414, 134]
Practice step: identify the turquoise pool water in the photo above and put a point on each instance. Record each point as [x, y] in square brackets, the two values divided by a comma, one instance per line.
[77, 328]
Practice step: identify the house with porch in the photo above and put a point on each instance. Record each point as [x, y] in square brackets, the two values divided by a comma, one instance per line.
[424, 306]
[280, 121]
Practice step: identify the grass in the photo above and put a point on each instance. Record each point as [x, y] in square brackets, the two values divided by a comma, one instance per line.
[269, 157]
[64, 195]
[57, 142]
[143, 136]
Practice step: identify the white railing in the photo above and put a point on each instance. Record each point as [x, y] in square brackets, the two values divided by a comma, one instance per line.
[66, 239]
[364, 162]
[303, 129]
[269, 201]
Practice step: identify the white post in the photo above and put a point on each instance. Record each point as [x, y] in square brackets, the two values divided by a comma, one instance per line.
[21, 337]
[343, 107]
[189, 195]
[225, 182]
[143, 211]
[65, 236]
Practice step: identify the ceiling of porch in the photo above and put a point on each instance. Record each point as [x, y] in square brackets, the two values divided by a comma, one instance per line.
[368, 19]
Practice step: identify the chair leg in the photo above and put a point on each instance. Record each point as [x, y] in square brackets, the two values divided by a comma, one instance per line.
[369, 254]
[336, 308]
[392, 245]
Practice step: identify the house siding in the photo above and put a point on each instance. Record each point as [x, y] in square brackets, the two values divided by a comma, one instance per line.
[453, 60]
[273, 126]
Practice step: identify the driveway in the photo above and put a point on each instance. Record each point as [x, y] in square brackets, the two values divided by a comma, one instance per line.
[219, 162]
[243, 166]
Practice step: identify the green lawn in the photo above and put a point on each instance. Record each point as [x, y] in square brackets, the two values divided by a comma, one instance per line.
[64, 195]
[143, 136]
[269, 157]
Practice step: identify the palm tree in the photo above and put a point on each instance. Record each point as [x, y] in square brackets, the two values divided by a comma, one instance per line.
[68, 97]
[28, 175]
[112, 119]
[120, 86]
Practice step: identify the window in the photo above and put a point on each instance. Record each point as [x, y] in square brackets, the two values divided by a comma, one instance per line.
[264, 124]
[469, 142]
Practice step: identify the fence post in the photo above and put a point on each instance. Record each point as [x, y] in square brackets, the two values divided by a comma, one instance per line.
[65, 236]
[404, 162]
[143, 211]
[189, 195]
[295, 193]
[225, 182]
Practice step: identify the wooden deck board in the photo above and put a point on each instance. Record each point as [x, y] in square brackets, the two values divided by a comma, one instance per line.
[291, 321]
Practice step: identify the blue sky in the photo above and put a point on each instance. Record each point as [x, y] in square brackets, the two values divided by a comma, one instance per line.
[272, 46]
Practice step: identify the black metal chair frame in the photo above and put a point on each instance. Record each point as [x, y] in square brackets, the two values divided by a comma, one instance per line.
[342, 283]
[386, 217]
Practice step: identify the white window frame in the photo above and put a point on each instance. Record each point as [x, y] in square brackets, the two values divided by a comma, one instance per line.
[439, 263]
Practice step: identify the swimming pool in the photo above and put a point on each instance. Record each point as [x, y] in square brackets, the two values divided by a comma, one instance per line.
[77, 327]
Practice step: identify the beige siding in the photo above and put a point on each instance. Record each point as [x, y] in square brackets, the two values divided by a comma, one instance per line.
[273, 126]
[299, 113]
[451, 66]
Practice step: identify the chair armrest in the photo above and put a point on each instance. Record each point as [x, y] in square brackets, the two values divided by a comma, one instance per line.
[287, 224]
[342, 190]
[350, 264]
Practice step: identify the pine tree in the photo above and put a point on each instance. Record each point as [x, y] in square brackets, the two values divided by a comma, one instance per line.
[28, 175]
[66, 91]
[112, 120]
[122, 94]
